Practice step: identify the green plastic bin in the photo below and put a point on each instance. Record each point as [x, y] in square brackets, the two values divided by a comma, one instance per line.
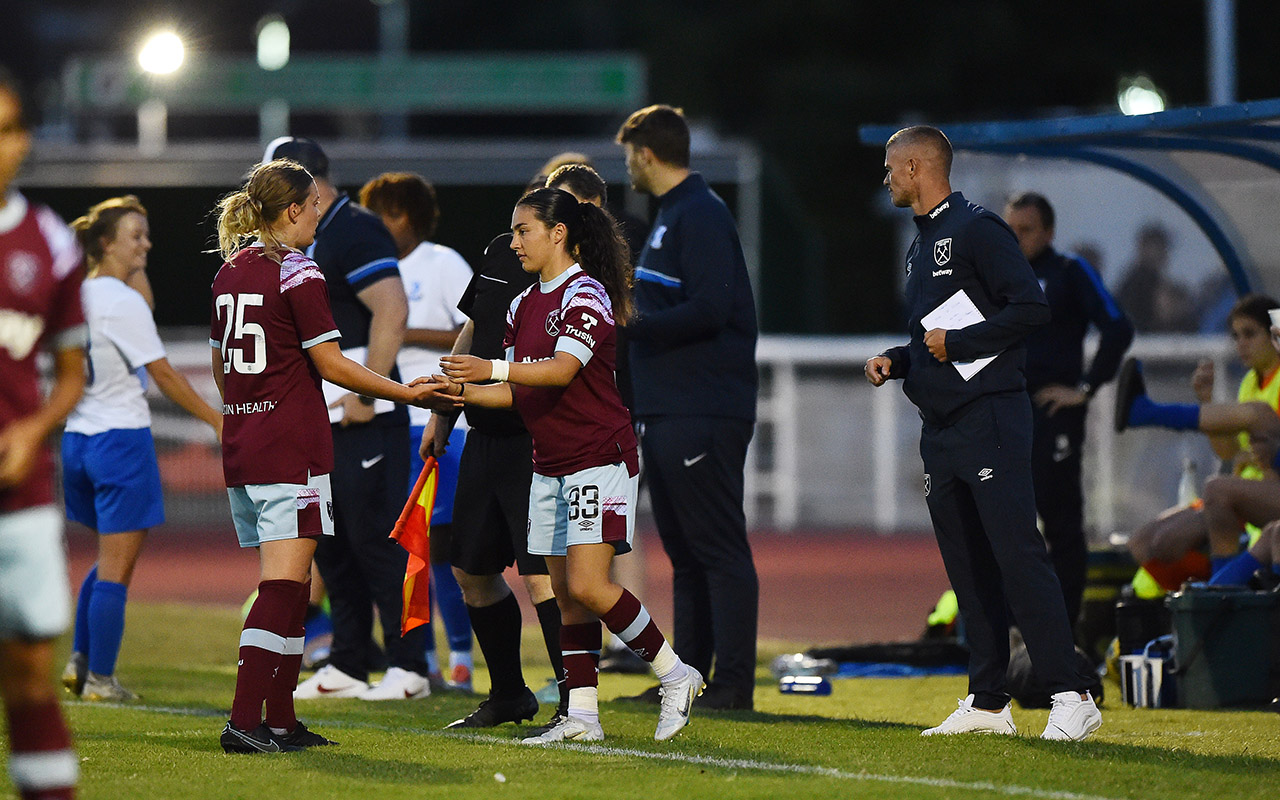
[1224, 645]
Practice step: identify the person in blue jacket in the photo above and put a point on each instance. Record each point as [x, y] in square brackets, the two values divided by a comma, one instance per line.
[1060, 386]
[976, 437]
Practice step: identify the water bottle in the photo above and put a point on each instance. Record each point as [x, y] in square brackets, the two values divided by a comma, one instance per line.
[804, 684]
[1188, 485]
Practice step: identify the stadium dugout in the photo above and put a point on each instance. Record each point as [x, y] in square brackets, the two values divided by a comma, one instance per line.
[1219, 164]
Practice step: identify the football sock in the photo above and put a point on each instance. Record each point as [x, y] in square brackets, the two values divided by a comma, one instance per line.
[41, 761]
[1178, 416]
[279, 701]
[497, 629]
[262, 643]
[630, 622]
[1194, 565]
[80, 641]
[1236, 571]
[580, 646]
[460, 658]
[453, 612]
[106, 625]
[549, 620]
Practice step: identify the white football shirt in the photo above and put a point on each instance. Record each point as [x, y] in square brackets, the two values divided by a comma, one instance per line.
[122, 341]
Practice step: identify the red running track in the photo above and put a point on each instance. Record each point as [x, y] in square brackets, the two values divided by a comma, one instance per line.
[845, 587]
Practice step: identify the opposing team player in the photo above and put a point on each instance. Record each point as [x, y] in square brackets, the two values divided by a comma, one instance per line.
[109, 471]
[39, 306]
[273, 339]
[560, 334]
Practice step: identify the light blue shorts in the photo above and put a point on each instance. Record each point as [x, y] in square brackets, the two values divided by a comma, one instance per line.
[270, 512]
[594, 505]
[35, 599]
[112, 480]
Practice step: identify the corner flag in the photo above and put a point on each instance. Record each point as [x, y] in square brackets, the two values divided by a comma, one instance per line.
[413, 533]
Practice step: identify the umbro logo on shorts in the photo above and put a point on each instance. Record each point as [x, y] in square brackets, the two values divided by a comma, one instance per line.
[986, 474]
[927, 482]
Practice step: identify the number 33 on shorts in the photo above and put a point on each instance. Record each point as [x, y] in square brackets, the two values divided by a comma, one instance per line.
[591, 506]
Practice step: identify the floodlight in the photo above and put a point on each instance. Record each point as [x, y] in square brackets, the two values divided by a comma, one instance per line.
[161, 53]
[1139, 96]
[273, 42]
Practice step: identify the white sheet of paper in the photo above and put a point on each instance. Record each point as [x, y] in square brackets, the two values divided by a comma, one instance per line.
[957, 312]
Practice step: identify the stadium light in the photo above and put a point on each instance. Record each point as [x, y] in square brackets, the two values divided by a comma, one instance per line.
[273, 42]
[1139, 95]
[161, 53]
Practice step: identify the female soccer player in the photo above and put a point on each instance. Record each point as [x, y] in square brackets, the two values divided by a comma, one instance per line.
[561, 338]
[109, 470]
[273, 339]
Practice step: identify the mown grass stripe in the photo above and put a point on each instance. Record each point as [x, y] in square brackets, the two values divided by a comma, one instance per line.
[1012, 790]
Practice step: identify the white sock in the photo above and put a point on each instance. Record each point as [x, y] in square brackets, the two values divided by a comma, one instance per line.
[584, 703]
[668, 666]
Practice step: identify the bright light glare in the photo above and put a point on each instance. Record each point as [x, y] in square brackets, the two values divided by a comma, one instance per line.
[273, 42]
[162, 53]
[1139, 96]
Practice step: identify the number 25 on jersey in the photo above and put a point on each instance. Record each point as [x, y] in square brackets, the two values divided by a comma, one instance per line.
[250, 335]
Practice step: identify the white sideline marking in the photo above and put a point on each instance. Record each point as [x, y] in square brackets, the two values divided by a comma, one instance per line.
[683, 758]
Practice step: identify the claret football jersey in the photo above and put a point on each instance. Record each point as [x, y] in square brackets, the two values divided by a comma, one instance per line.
[265, 316]
[585, 423]
[40, 280]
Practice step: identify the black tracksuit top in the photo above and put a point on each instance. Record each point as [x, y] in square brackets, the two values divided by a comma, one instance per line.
[961, 245]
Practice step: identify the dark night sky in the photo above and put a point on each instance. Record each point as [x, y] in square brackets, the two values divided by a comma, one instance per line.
[797, 78]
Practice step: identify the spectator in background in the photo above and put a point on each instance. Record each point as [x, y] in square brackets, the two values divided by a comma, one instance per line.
[1170, 548]
[1061, 387]
[694, 378]
[109, 472]
[360, 565]
[39, 284]
[1154, 301]
[435, 278]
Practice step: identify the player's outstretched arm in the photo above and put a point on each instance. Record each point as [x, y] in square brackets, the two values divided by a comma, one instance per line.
[356, 377]
[558, 370]
[178, 389]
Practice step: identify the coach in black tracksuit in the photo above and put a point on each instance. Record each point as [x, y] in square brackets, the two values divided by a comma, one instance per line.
[694, 376]
[976, 434]
[1061, 387]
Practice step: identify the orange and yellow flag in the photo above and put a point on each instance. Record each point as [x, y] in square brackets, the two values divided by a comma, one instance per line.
[413, 532]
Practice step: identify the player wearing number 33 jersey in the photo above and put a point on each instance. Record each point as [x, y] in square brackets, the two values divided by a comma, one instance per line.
[585, 423]
[265, 316]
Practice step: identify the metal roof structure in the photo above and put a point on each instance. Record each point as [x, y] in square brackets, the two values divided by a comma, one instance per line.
[1219, 164]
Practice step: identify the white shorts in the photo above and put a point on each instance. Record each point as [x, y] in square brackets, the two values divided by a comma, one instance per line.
[591, 506]
[270, 512]
[35, 598]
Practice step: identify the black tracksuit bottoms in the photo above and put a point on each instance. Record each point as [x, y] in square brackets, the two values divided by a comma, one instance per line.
[1055, 468]
[361, 566]
[979, 490]
[695, 472]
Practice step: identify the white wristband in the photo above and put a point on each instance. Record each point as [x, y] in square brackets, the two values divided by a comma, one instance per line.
[501, 369]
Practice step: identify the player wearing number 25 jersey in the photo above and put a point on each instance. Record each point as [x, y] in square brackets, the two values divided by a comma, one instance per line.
[265, 316]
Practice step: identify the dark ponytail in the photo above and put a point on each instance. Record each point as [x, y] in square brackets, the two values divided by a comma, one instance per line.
[594, 241]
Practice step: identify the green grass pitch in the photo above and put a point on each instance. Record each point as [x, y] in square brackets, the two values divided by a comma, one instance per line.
[861, 742]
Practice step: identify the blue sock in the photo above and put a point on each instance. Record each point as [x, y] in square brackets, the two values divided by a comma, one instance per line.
[1179, 416]
[457, 622]
[106, 621]
[80, 641]
[1236, 571]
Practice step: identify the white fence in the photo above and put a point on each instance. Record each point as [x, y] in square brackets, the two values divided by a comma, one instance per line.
[831, 451]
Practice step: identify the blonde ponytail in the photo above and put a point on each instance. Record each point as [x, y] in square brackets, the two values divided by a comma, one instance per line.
[250, 212]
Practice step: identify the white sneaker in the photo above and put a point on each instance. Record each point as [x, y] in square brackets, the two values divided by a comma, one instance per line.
[569, 729]
[1072, 719]
[967, 719]
[677, 699]
[398, 684]
[329, 682]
